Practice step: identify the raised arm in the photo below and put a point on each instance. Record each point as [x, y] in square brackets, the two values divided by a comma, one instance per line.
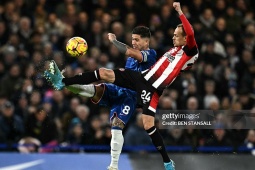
[125, 49]
[191, 42]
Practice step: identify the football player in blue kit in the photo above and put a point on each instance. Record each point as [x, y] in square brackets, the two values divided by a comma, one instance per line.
[122, 101]
[149, 84]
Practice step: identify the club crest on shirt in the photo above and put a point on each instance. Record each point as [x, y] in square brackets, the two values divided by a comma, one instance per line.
[121, 69]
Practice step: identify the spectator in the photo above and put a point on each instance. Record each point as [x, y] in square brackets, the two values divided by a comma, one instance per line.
[118, 30]
[194, 136]
[130, 22]
[54, 25]
[60, 105]
[233, 20]
[191, 92]
[62, 8]
[29, 145]
[192, 104]
[81, 28]
[209, 93]
[95, 37]
[69, 115]
[4, 35]
[198, 6]
[135, 135]
[219, 138]
[2, 69]
[11, 82]
[219, 8]
[77, 136]
[106, 22]
[70, 18]
[40, 15]
[250, 139]
[242, 68]
[207, 19]
[40, 126]
[166, 103]
[176, 137]
[150, 7]
[129, 6]
[11, 126]
[21, 108]
[207, 74]
[220, 30]
[35, 100]
[25, 30]
[232, 56]
[97, 131]
[209, 55]
[82, 113]
[246, 101]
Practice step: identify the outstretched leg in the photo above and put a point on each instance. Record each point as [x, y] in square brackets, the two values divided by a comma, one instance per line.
[58, 81]
[91, 76]
[95, 92]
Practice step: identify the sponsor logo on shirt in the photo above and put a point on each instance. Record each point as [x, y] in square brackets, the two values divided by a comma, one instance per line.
[169, 57]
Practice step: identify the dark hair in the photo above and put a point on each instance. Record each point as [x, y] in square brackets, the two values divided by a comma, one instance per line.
[39, 109]
[143, 31]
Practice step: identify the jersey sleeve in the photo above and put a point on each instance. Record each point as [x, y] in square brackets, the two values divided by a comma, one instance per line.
[148, 55]
[191, 42]
[149, 58]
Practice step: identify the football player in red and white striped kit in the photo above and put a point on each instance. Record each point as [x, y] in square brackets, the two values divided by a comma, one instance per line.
[179, 58]
[150, 83]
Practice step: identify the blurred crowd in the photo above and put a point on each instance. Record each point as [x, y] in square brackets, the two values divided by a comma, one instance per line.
[33, 31]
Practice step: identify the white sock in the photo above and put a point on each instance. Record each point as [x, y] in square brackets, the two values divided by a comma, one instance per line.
[83, 90]
[116, 146]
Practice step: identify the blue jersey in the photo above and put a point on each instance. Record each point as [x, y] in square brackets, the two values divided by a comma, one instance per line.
[122, 100]
[149, 58]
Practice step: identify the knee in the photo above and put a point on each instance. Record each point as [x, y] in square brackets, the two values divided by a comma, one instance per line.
[107, 75]
[148, 123]
[103, 72]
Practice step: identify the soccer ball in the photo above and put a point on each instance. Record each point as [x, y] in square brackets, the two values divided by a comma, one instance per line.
[76, 47]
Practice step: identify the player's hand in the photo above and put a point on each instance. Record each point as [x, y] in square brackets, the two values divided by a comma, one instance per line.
[177, 7]
[111, 37]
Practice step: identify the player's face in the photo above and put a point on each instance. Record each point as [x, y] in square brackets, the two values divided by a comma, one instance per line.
[139, 43]
[178, 38]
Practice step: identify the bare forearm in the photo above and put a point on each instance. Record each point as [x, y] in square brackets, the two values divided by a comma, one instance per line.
[136, 54]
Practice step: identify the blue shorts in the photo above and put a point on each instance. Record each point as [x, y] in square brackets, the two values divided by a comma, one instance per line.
[122, 101]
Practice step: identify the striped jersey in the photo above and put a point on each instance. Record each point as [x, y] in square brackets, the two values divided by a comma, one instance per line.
[177, 59]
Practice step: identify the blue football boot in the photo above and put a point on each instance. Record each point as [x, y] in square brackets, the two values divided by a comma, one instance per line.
[169, 165]
[54, 76]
